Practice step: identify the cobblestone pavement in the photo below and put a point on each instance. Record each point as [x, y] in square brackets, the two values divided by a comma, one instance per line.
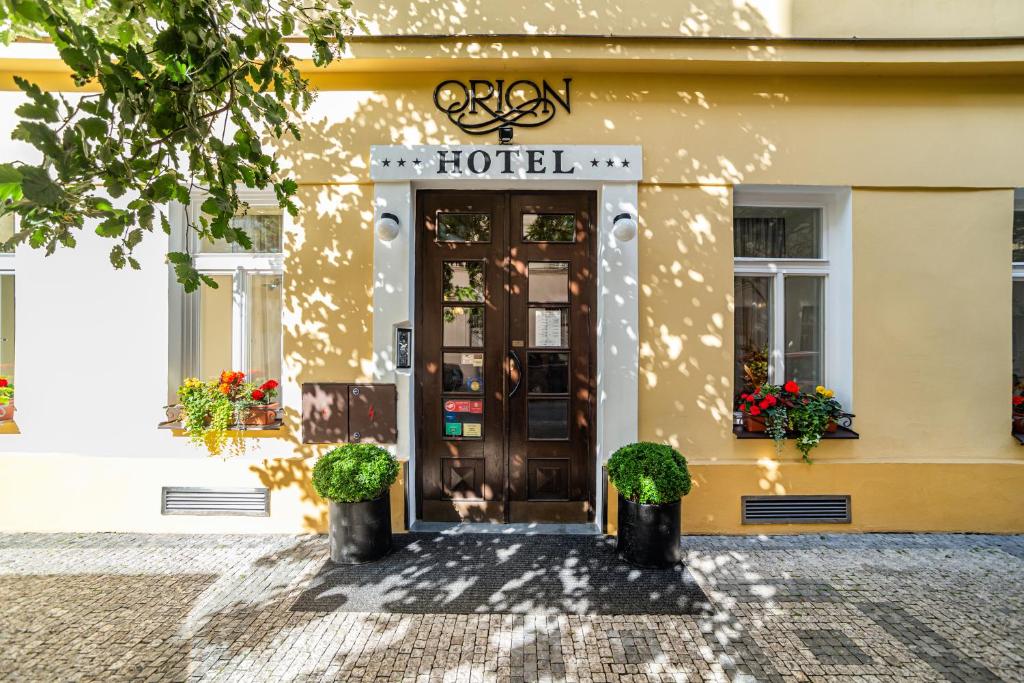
[112, 607]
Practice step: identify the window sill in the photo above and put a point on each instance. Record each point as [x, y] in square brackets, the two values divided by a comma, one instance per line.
[275, 426]
[841, 433]
[9, 427]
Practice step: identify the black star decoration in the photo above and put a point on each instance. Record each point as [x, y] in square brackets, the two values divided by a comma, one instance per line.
[594, 162]
[416, 162]
[625, 163]
[386, 162]
[610, 163]
[401, 162]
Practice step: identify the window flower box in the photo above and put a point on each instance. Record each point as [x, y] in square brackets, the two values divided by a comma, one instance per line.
[6, 400]
[784, 412]
[209, 412]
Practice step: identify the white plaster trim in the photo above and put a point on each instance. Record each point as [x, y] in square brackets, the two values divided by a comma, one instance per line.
[618, 348]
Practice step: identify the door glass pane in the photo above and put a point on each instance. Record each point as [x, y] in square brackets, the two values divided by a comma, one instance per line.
[549, 282]
[463, 227]
[463, 326]
[777, 232]
[549, 227]
[1018, 334]
[549, 327]
[463, 372]
[463, 280]
[1018, 236]
[463, 419]
[753, 329]
[804, 331]
[263, 225]
[547, 373]
[7, 326]
[215, 328]
[263, 302]
[547, 418]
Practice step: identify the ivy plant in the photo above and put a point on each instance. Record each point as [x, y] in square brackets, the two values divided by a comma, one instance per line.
[179, 96]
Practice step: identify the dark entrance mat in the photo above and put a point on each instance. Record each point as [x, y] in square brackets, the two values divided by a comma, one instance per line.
[485, 573]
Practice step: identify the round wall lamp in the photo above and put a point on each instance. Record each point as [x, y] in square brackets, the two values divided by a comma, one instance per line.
[387, 226]
[624, 227]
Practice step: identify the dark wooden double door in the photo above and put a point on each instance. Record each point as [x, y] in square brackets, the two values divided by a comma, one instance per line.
[505, 356]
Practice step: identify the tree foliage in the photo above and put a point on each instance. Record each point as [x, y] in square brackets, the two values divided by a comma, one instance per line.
[180, 97]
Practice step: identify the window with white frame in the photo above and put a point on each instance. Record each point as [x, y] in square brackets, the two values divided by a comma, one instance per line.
[1018, 290]
[237, 325]
[792, 288]
[7, 301]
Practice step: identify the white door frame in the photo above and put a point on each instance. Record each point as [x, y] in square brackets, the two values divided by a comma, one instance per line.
[394, 269]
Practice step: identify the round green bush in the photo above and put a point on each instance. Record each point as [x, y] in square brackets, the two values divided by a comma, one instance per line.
[649, 473]
[354, 472]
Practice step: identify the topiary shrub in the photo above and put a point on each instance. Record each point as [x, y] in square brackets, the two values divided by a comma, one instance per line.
[354, 473]
[649, 473]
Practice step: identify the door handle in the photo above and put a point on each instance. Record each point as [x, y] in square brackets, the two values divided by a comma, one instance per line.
[519, 372]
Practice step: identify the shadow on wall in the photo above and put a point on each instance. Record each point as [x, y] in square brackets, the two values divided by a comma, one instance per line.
[685, 239]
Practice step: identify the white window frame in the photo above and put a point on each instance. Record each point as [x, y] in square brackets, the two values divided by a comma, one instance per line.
[834, 267]
[185, 345]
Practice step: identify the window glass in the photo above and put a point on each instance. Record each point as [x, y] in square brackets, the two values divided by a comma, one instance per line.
[463, 227]
[263, 302]
[547, 418]
[549, 227]
[215, 315]
[1018, 334]
[463, 372]
[1018, 236]
[753, 332]
[6, 230]
[463, 280]
[549, 282]
[777, 232]
[263, 225]
[547, 373]
[7, 326]
[804, 332]
[463, 326]
[549, 327]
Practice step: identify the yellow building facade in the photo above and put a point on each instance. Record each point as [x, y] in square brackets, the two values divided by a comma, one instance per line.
[898, 125]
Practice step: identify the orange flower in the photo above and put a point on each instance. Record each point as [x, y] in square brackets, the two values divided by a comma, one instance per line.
[225, 388]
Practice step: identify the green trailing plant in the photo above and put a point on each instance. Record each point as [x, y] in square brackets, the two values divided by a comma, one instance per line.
[209, 411]
[354, 473]
[6, 391]
[810, 418]
[649, 473]
[185, 95]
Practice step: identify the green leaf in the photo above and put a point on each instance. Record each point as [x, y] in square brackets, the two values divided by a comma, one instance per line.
[39, 187]
[10, 183]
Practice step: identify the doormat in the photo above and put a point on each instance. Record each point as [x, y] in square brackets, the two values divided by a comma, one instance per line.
[502, 574]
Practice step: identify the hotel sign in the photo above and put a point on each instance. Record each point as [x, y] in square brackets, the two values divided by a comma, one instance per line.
[480, 107]
[623, 163]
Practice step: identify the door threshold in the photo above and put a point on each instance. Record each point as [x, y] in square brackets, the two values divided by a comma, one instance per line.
[520, 529]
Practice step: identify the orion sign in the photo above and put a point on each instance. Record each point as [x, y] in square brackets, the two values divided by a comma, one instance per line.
[480, 107]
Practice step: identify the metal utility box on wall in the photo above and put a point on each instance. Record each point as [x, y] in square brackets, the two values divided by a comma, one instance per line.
[349, 413]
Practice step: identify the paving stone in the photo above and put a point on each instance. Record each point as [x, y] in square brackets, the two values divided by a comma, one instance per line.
[115, 607]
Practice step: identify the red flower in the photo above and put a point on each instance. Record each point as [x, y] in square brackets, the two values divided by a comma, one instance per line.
[743, 408]
[257, 395]
[3, 382]
[269, 385]
[771, 399]
[765, 404]
[743, 397]
[754, 410]
[1017, 400]
[791, 387]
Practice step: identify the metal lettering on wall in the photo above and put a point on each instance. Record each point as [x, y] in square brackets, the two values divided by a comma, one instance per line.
[480, 107]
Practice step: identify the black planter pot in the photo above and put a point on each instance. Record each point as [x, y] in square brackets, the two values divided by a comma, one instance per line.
[360, 532]
[648, 534]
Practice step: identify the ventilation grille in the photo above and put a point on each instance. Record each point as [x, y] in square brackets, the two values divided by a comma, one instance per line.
[187, 500]
[796, 509]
